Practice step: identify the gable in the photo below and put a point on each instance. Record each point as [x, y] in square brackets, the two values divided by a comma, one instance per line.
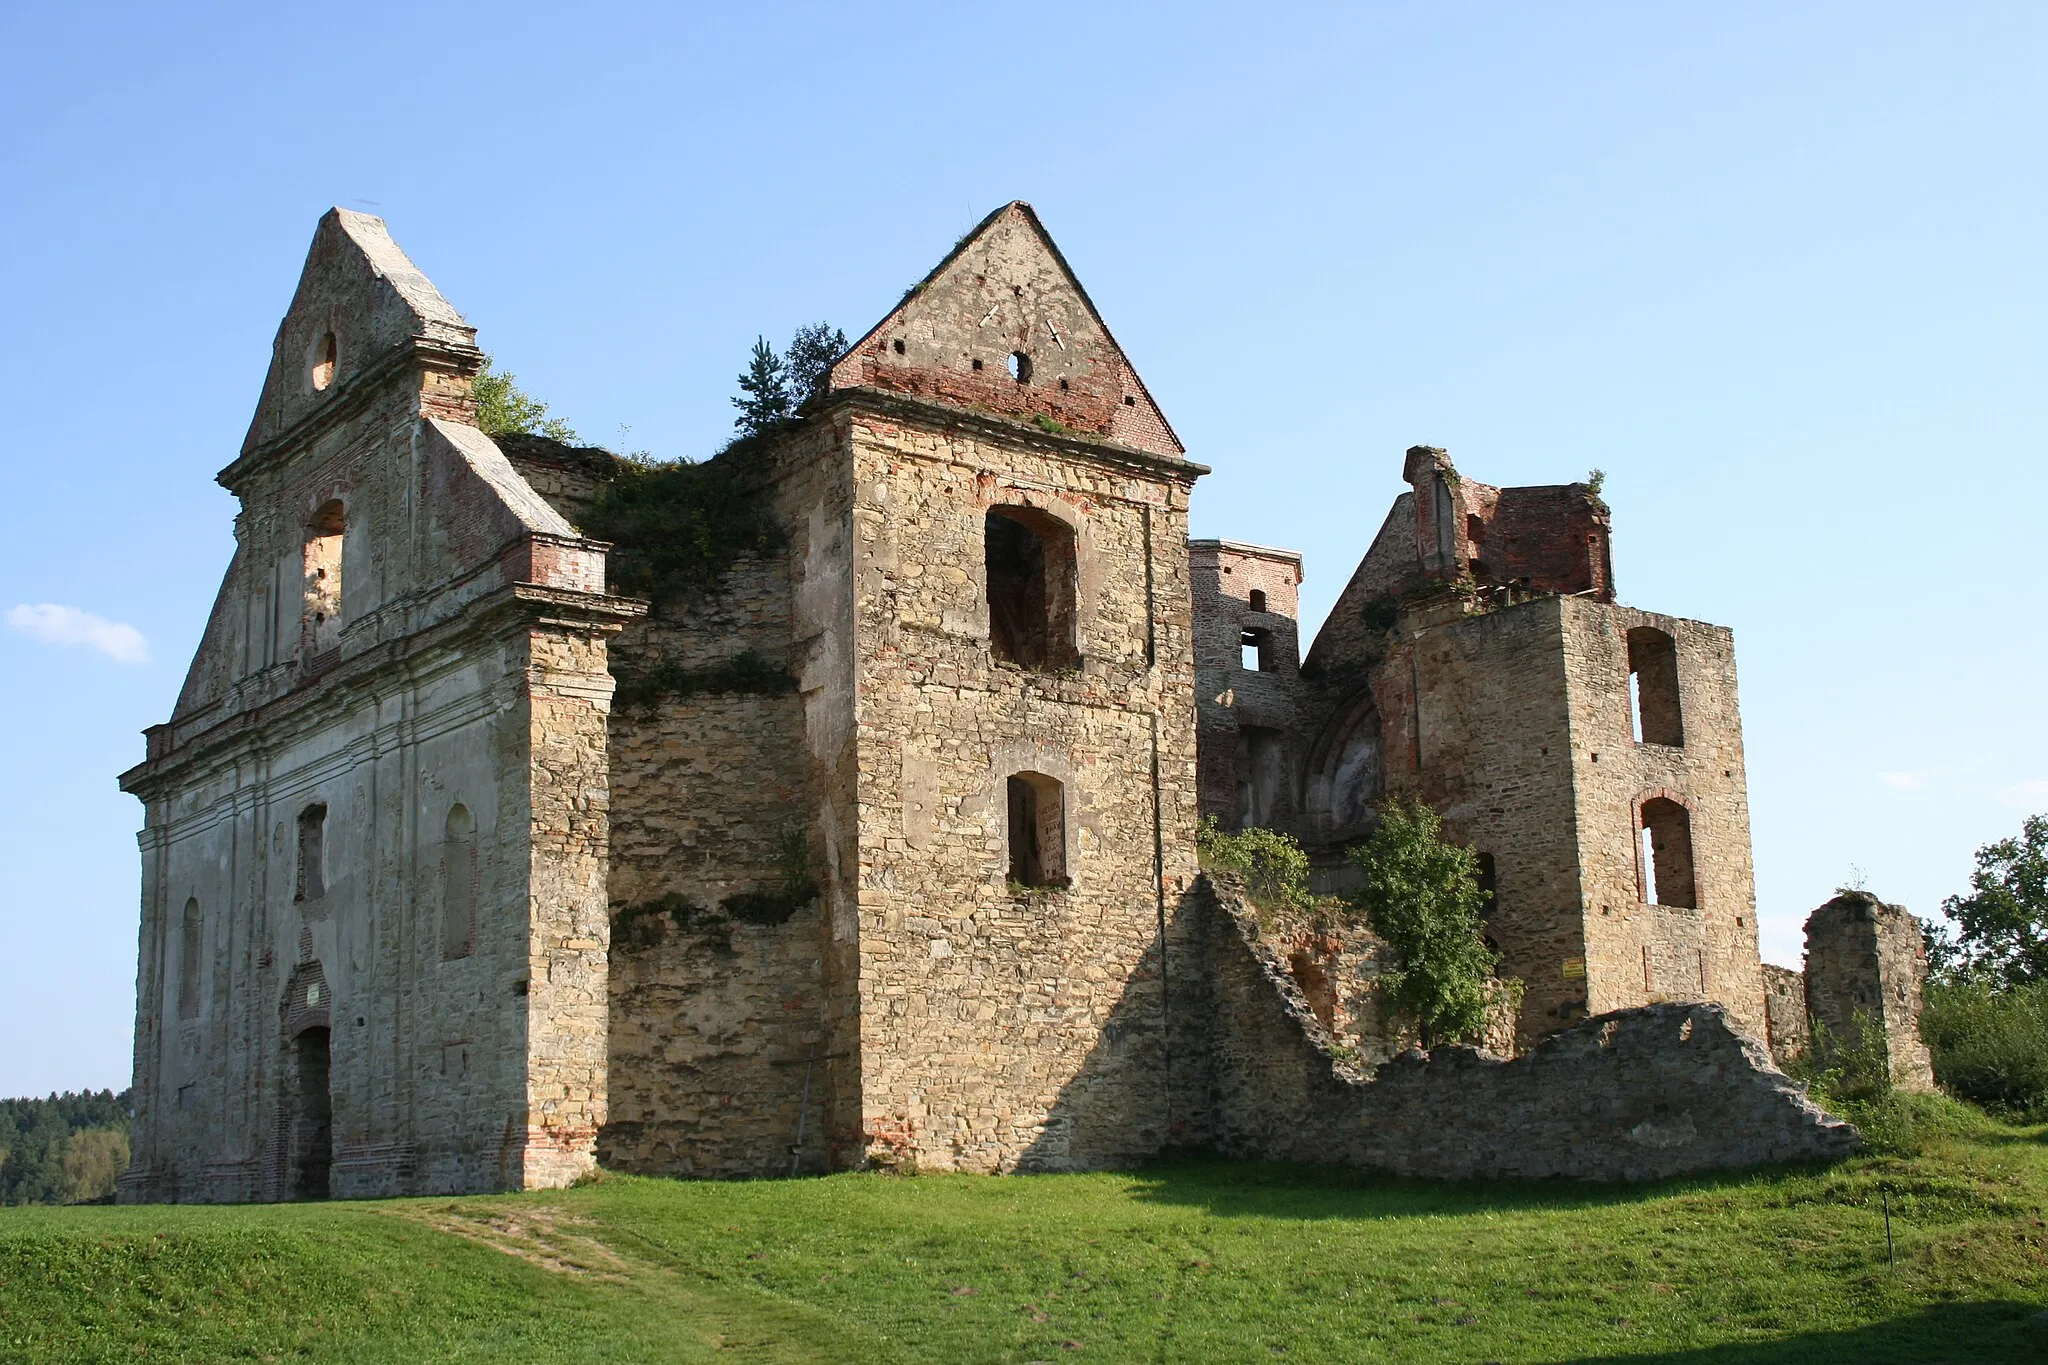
[359, 290]
[1002, 325]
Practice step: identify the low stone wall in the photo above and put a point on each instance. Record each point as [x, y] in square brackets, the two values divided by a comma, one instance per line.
[1637, 1094]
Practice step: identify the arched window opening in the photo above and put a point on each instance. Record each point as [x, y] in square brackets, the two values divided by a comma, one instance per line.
[1256, 653]
[191, 944]
[1020, 367]
[458, 885]
[312, 883]
[1258, 599]
[1031, 588]
[1489, 884]
[1038, 831]
[313, 1126]
[1653, 687]
[1665, 857]
[1343, 778]
[320, 621]
[320, 371]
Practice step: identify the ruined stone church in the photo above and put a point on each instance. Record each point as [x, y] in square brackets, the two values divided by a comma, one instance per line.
[871, 840]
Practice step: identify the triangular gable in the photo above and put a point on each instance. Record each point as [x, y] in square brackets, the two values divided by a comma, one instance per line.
[358, 288]
[1005, 291]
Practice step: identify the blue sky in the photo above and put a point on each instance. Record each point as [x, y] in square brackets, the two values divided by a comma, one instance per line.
[1776, 268]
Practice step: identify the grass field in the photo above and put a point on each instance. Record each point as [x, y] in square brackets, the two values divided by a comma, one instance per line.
[1195, 1261]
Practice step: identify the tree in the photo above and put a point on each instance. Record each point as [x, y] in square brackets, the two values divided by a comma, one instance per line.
[1422, 895]
[809, 360]
[2002, 925]
[765, 401]
[503, 409]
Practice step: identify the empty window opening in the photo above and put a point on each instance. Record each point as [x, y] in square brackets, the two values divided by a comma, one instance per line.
[1258, 599]
[1475, 529]
[191, 942]
[1130, 401]
[1063, 383]
[1031, 588]
[312, 883]
[1653, 687]
[975, 364]
[458, 885]
[1666, 854]
[321, 370]
[1256, 652]
[1038, 831]
[313, 1117]
[1489, 883]
[1020, 367]
[897, 344]
[320, 621]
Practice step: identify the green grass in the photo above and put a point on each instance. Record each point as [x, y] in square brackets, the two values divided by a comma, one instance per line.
[1195, 1261]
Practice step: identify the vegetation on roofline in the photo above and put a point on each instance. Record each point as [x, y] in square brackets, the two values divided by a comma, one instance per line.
[504, 409]
[744, 673]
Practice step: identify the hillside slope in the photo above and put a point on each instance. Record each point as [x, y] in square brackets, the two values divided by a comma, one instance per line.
[1203, 1261]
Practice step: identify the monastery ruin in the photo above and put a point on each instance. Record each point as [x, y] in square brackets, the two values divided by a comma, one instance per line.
[862, 830]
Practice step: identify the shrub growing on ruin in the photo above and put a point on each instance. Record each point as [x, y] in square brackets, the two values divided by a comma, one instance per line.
[504, 409]
[1271, 864]
[1421, 894]
[677, 527]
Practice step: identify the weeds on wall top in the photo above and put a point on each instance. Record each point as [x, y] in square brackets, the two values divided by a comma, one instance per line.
[677, 527]
[504, 409]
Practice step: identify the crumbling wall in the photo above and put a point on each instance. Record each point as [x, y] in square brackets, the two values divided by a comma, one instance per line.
[1866, 964]
[721, 856]
[1248, 721]
[1638, 1094]
[1785, 1007]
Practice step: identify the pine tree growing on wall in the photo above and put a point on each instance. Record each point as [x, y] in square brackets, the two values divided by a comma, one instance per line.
[1422, 895]
[765, 401]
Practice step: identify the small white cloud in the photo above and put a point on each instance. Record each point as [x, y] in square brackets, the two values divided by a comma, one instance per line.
[1905, 781]
[60, 625]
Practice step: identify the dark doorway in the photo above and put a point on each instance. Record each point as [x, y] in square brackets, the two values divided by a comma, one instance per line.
[314, 1131]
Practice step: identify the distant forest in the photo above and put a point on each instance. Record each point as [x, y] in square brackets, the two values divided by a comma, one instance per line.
[66, 1149]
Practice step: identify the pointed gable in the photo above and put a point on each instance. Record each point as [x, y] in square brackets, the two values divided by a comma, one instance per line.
[359, 300]
[1002, 325]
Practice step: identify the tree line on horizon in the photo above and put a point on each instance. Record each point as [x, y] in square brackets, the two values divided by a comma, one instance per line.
[64, 1149]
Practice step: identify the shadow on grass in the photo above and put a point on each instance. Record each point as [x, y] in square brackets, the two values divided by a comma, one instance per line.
[1977, 1333]
[1245, 1189]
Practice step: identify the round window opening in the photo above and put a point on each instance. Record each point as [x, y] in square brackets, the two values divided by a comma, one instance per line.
[1020, 367]
[323, 362]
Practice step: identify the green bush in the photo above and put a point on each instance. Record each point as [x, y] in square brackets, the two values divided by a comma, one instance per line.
[1990, 1046]
[1274, 869]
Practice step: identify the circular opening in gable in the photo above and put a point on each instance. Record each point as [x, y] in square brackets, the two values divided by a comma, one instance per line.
[1020, 367]
[322, 372]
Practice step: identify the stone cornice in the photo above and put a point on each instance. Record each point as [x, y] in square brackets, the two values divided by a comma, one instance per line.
[507, 608]
[351, 397]
[924, 412]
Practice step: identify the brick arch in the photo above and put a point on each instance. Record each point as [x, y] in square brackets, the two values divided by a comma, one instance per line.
[294, 1012]
[1677, 861]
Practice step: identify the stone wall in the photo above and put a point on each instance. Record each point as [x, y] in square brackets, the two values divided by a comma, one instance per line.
[1007, 1026]
[1638, 1094]
[723, 856]
[1785, 1008]
[1866, 964]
